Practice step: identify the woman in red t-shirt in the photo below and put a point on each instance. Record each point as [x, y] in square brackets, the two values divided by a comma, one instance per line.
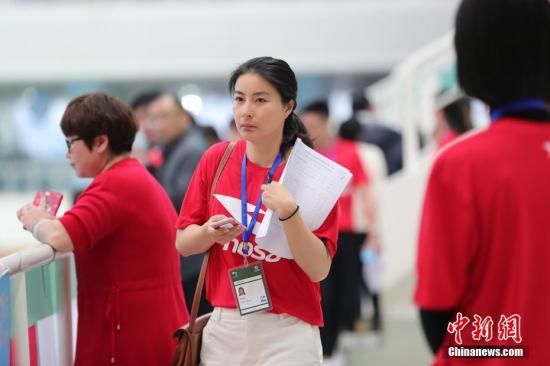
[121, 231]
[264, 92]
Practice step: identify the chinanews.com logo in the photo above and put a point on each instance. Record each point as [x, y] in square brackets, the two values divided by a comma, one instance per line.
[482, 331]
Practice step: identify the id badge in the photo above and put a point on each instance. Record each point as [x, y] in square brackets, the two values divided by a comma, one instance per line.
[250, 288]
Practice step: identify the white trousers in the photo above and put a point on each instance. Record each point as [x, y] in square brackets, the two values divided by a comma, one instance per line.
[259, 339]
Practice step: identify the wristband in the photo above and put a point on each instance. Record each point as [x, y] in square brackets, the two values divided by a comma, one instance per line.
[36, 226]
[292, 214]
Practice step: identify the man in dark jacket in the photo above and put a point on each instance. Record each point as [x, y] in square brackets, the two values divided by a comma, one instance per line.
[183, 144]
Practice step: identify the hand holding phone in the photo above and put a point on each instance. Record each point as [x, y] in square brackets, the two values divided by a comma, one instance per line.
[227, 223]
[51, 198]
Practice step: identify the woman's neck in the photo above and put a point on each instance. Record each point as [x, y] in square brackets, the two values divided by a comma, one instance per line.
[112, 160]
[262, 154]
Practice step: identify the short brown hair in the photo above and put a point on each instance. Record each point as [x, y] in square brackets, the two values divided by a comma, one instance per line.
[94, 114]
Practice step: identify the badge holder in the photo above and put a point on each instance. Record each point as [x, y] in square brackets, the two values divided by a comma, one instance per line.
[248, 281]
[250, 288]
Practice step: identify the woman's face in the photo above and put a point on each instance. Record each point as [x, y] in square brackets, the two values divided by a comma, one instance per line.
[258, 109]
[85, 162]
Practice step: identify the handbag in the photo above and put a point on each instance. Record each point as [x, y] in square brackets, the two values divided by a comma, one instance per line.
[189, 336]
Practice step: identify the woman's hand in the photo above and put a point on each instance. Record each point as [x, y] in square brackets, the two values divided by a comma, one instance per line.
[31, 214]
[221, 235]
[277, 198]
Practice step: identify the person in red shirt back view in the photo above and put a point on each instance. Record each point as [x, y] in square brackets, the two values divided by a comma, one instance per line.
[484, 242]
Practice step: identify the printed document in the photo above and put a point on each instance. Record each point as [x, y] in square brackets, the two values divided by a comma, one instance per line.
[316, 183]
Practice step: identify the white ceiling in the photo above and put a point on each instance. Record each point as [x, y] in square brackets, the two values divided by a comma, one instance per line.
[148, 40]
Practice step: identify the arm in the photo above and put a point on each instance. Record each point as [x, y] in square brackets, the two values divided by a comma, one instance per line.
[446, 248]
[434, 324]
[45, 227]
[369, 205]
[196, 239]
[362, 184]
[53, 233]
[309, 252]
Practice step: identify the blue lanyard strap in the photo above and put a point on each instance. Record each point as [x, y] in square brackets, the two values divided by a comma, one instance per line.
[517, 106]
[244, 211]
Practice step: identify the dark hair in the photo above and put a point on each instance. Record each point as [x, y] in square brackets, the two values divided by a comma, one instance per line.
[320, 107]
[350, 130]
[177, 102]
[94, 114]
[360, 102]
[210, 134]
[144, 98]
[503, 49]
[457, 115]
[279, 74]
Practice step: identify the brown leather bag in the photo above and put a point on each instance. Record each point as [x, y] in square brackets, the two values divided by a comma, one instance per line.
[188, 350]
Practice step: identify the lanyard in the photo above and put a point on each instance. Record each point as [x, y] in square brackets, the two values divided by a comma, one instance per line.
[244, 202]
[517, 106]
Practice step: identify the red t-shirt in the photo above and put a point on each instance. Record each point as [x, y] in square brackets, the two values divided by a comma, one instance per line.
[291, 290]
[446, 139]
[344, 152]
[127, 267]
[484, 244]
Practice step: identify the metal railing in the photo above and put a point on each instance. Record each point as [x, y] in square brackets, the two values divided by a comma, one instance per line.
[19, 263]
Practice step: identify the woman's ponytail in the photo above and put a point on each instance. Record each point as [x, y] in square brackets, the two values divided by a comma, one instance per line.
[293, 129]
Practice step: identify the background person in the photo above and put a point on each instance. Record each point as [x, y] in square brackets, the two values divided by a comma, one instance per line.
[341, 290]
[121, 231]
[374, 131]
[264, 92]
[483, 244]
[452, 117]
[372, 159]
[182, 144]
[146, 147]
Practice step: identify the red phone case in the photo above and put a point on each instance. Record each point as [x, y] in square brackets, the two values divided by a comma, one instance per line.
[53, 200]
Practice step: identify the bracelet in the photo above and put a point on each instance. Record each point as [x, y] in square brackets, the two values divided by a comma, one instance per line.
[36, 226]
[292, 214]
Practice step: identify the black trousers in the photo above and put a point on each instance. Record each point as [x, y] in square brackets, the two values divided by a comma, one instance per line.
[341, 290]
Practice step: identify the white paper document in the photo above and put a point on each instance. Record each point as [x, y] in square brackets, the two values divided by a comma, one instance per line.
[316, 183]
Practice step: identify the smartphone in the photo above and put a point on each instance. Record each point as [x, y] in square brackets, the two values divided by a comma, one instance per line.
[226, 223]
[53, 200]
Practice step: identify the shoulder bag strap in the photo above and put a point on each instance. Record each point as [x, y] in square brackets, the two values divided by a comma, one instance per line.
[202, 275]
